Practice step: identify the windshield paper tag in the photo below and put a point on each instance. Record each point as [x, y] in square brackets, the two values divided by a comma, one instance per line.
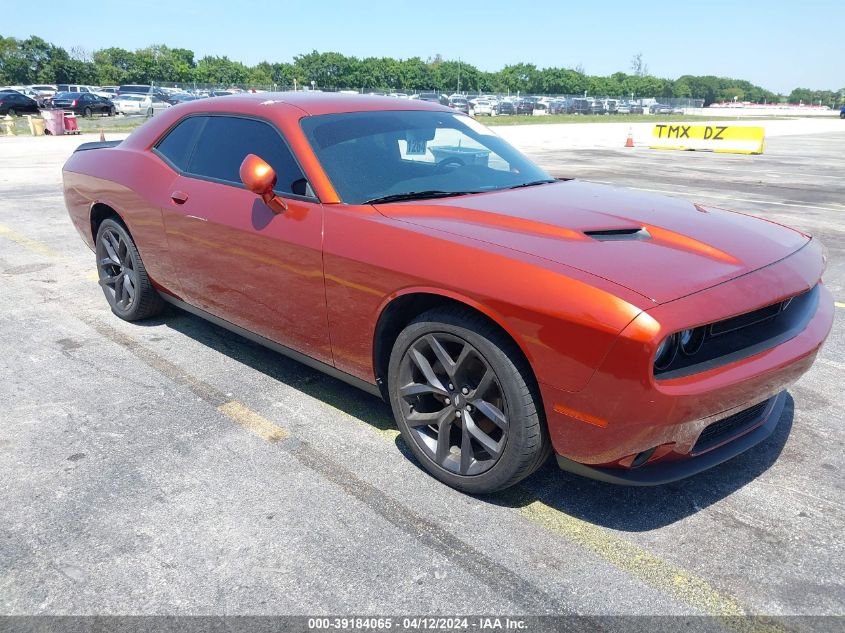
[416, 143]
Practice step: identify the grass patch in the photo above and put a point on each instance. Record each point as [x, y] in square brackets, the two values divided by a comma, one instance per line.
[527, 119]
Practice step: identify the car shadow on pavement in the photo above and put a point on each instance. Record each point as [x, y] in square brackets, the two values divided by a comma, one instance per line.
[625, 508]
[638, 509]
[312, 382]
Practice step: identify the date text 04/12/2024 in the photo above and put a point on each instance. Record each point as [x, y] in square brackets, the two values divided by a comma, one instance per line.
[420, 623]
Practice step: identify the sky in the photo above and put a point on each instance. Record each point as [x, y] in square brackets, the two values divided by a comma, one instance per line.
[778, 44]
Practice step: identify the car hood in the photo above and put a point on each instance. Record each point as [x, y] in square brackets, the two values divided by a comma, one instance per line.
[660, 247]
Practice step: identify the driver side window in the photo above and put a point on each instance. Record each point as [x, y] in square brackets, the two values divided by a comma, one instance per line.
[225, 141]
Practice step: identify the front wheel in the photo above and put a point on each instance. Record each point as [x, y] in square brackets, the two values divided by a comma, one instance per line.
[87, 113]
[465, 402]
[11, 112]
[123, 276]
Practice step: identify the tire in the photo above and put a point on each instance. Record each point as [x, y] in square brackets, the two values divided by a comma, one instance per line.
[11, 112]
[150, 112]
[494, 408]
[123, 278]
[87, 113]
[111, 112]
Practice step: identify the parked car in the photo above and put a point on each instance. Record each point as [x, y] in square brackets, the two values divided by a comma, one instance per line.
[636, 108]
[559, 106]
[506, 107]
[524, 106]
[84, 103]
[181, 97]
[14, 103]
[74, 88]
[432, 97]
[24, 90]
[107, 92]
[842, 113]
[147, 105]
[636, 336]
[482, 107]
[659, 108]
[597, 107]
[459, 103]
[44, 90]
[142, 89]
[134, 89]
[581, 106]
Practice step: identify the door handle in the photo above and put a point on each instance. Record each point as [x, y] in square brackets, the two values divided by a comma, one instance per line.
[179, 197]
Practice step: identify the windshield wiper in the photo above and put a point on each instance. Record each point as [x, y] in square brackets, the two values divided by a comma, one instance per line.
[532, 183]
[419, 195]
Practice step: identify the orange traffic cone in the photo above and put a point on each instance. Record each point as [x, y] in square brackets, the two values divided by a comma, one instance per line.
[630, 141]
[102, 135]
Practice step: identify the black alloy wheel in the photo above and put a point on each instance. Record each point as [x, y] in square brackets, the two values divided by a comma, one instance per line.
[453, 403]
[122, 275]
[466, 402]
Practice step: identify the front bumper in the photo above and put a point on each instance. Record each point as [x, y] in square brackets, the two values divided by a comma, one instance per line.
[624, 411]
[667, 472]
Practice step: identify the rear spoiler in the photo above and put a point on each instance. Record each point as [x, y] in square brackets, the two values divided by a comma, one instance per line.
[97, 145]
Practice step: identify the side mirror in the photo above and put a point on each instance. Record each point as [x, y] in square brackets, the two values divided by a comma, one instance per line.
[260, 179]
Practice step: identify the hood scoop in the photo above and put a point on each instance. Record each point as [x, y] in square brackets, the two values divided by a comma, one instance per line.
[619, 235]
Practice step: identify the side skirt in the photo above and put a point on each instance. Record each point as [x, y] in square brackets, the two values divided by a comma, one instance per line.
[281, 349]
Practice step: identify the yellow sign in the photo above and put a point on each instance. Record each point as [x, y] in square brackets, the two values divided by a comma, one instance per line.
[736, 139]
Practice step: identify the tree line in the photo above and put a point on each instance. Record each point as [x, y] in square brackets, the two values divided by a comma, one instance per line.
[34, 60]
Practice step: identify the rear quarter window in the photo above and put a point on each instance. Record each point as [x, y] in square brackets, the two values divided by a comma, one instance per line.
[177, 145]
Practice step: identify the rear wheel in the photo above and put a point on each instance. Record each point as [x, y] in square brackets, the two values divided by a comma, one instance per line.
[11, 112]
[122, 275]
[87, 112]
[464, 401]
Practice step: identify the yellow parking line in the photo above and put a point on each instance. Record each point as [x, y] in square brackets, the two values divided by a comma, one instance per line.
[839, 304]
[29, 244]
[252, 421]
[642, 564]
[92, 275]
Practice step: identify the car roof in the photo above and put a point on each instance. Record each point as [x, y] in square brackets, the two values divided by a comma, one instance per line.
[274, 106]
[315, 103]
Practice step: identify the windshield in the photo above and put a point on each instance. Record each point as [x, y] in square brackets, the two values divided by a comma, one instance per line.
[372, 155]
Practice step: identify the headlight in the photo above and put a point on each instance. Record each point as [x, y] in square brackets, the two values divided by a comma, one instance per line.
[691, 340]
[666, 352]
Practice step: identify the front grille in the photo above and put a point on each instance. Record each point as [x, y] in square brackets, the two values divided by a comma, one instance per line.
[744, 335]
[731, 426]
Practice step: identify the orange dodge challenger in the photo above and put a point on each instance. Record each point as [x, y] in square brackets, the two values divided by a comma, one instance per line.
[504, 314]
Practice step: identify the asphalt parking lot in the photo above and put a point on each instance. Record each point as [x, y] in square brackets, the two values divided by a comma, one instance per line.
[171, 467]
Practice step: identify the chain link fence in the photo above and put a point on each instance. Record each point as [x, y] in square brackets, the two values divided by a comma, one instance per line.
[519, 103]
